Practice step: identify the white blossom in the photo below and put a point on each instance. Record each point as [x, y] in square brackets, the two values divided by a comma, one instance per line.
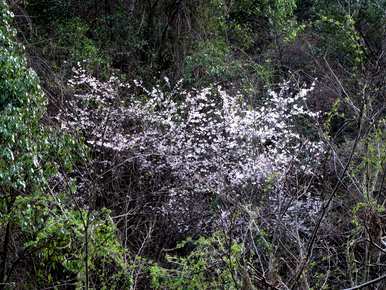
[209, 140]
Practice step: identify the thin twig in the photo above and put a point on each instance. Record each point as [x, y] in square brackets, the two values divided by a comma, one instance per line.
[368, 283]
[293, 281]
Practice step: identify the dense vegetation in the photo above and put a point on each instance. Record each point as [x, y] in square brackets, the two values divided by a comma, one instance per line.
[191, 144]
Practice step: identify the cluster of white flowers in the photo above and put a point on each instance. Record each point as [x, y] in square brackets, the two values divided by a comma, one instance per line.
[95, 110]
[213, 139]
[209, 140]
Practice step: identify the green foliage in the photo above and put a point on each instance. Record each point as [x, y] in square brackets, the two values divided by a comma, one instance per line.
[213, 264]
[350, 31]
[57, 235]
[265, 20]
[348, 48]
[17, 84]
[371, 161]
[52, 231]
[26, 147]
[73, 45]
[330, 117]
[72, 35]
[361, 208]
[211, 62]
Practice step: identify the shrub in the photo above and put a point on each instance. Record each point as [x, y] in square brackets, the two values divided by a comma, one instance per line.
[214, 263]
[208, 144]
[39, 216]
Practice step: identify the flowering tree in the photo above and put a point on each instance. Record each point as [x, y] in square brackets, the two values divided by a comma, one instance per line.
[207, 142]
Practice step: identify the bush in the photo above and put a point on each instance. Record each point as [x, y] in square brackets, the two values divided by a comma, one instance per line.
[214, 263]
[54, 238]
